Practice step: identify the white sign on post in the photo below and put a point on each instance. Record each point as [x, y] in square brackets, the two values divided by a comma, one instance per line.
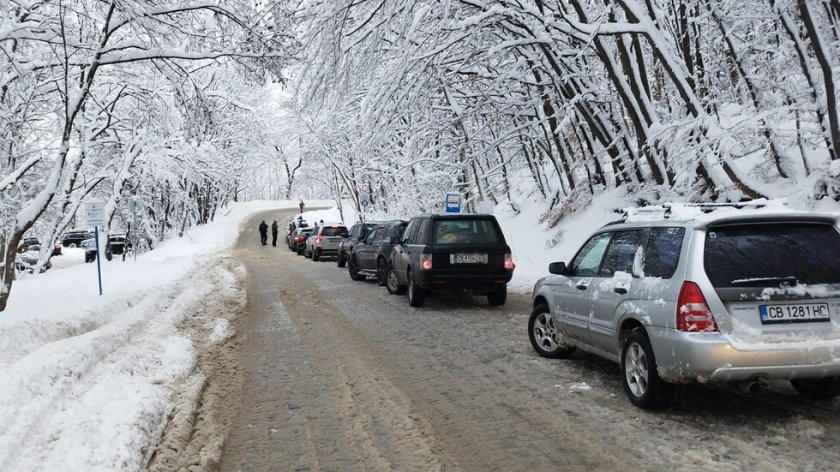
[364, 188]
[95, 212]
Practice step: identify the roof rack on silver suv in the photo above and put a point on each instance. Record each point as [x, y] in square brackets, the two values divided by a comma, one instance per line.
[691, 210]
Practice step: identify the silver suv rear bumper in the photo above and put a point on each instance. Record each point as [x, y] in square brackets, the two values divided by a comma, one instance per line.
[709, 357]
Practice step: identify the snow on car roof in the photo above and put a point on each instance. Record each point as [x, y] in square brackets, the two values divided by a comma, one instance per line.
[705, 213]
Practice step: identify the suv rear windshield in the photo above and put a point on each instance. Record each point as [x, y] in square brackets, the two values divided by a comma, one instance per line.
[466, 231]
[334, 231]
[772, 254]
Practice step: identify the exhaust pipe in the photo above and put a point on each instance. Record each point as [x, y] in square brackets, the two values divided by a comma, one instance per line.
[751, 386]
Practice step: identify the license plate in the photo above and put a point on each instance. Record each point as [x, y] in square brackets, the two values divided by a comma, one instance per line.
[794, 313]
[468, 258]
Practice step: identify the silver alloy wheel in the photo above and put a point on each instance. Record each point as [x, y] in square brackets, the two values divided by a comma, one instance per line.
[636, 369]
[391, 279]
[545, 334]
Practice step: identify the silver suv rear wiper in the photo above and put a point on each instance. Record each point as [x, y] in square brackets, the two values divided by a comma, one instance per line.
[759, 281]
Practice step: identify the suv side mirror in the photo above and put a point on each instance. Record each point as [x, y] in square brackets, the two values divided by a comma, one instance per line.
[558, 268]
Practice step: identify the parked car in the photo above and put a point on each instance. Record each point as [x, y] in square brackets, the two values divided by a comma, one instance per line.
[370, 256]
[89, 245]
[324, 241]
[29, 244]
[27, 260]
[357, 233]
[118, 243]
[715, 295]
[74, 238]
[297, 242]
[451, 252]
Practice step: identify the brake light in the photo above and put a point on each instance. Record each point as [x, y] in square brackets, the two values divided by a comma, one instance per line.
[318, 240]
[509, 265]
[693, 313]
[426, 264]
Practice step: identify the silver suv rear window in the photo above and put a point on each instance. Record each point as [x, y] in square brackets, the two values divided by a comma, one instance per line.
[772, 254]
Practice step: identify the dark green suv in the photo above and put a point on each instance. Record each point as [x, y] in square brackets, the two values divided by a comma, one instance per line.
[451, 253]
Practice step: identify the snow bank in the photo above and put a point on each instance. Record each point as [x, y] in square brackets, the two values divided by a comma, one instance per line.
[88, 380]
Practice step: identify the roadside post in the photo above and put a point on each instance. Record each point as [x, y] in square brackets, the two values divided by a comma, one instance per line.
[364, 198]
[134, 206]
[95, 216]
[452, 203]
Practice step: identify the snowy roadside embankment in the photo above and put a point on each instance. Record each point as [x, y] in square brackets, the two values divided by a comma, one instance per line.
[88, 382]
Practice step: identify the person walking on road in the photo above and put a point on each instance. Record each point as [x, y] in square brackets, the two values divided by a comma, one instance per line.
[263, 232]
[274, 233]
[301, 206]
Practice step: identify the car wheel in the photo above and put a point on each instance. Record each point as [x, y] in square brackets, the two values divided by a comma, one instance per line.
[381, 272]
[316, 255]
[392, 283]
[416, 294]
[73, 245]
[641, 381]
[817, 389]
[353, 268]
[497, 297]
[545, 338]
[341, 260]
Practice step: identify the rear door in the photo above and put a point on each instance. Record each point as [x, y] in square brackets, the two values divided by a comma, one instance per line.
[408, 251]
[365, 251]
[777, 281]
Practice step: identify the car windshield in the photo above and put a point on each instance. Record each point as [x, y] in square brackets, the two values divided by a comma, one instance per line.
[772, 254]
[465, 231]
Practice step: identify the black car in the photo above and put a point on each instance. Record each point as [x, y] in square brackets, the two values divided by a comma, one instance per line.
[357, 233]
[74, 238]
[451, 253]
[370, 256]
[117, 244]
[89, 246]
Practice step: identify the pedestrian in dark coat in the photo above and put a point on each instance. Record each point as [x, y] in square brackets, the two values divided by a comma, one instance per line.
[263, 233]
[274, 233]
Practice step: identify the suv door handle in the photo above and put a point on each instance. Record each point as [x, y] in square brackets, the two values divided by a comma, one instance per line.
[620, 290]
[581, 286]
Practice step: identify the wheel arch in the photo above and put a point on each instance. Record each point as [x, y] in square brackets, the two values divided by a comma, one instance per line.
[627, 326]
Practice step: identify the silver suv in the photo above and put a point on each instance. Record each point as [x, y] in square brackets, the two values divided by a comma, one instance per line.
[701, 293]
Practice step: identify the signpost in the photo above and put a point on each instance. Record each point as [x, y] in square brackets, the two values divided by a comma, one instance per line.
[95, 216]
[452, 203]
[364, 198]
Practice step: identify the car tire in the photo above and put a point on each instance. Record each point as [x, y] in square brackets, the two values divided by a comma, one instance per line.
[817, 389]
[416, 294]
[73, 245]
[497, 297]
[392, 283]
[641, 380]
[381, 272]
[353, 269]
[545, 338]
[316, 255]
[341, 260]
